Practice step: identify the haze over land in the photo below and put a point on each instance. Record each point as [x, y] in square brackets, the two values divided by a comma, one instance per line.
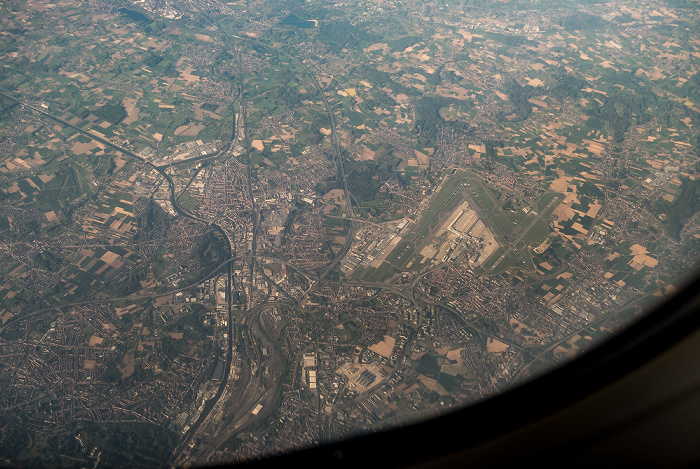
[231, 229]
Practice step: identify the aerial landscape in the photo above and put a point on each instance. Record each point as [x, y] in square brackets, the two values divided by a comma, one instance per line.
[229, 230]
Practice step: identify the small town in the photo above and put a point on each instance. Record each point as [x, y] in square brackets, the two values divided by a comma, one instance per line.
[230, 230]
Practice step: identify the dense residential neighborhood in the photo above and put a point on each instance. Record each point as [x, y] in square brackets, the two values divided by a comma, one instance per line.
[233, 229]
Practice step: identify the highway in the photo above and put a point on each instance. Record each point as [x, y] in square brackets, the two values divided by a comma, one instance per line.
[336, 146]
[229, 411]
[178, 209]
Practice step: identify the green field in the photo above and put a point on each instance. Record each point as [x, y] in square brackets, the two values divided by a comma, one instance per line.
[380, 274]
[530, 230]
[186, 201]
[430, 365]
[349, 332]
